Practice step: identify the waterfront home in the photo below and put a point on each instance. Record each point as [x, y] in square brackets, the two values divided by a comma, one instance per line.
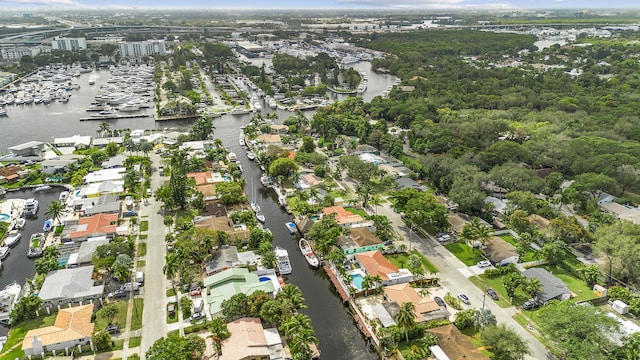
[223, 285]
[72, 256]
[375, 264]
[102, 142]
[235, 231]
[78, 142]
[269, 139]
[28, 149]
[116, 174]
[452, 344]
[91, 226]
[59, 166]
[67, 286]
[426, 308]
[72, 327]
[279, 129]
[500, 252]
[209, 193]
[250, 341]
[96, 189]
[359, 240]
[223, 259]
[346, 218]
[213, 207]
[308, 181]
[12, 173]
[552, 287]
[208, 177]
[107, 203]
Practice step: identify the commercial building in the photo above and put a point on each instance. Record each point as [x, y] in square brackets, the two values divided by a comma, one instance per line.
[142, 48]
[70, 44]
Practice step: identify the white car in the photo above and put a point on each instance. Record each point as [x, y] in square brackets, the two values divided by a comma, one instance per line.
[484, 263]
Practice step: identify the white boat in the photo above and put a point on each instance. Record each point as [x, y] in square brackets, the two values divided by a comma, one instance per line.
[9, 296]
[31, 207]
[36, 243]
[306, 250]
[293, 229]
[255, 207]
[282, 257]
[265, 181]
[63, 196]
[12, 238]
[19, 224]
[129, 107]
[42, 188]
[48, 224]
[4, 252]
[242, 141]
[92, 81]
[260, 217]
[282, 200]
[251, 155]
[231, 156]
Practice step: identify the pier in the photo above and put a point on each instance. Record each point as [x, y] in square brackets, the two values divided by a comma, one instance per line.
[334, 280]
[114, 117]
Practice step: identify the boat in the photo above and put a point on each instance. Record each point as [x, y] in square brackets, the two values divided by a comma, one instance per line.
[48, 224]
[42, 188]
[241, 140]
[12, 238]
[282, 200]
[31, 207]
[306, 250]
[260, 217]
[231, 156]
[265, 181]
[282, 257]
[92, 81]
[63, 196]
[129, 107]
[293, 229]
[9, 296]
[4, 252]
[19, 224]
[36, 243]
[255, 207]
[128, 201]
[251, 155]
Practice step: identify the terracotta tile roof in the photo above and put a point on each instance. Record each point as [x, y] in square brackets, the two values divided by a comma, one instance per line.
[247, 340]
[374, 263]
[222, 224]
[269, 138]
[10, 170]
[342, 216]
[207, 190]
[200, 177]
[403, 293]
[99, 223]
[71, 324]
[455, 344]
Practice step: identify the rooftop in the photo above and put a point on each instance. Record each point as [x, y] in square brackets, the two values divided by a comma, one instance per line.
[71, 324]
[247, 340]
[375, 263]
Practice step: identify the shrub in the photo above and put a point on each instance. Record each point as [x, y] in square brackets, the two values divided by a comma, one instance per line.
[453, 301]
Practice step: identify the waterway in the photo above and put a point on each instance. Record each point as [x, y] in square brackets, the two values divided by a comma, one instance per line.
[339, 338]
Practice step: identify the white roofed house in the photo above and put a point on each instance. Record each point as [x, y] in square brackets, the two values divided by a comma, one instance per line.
[76, 141]
[31, 148]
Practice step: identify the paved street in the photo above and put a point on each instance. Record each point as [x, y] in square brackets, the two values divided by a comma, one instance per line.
[153, 317]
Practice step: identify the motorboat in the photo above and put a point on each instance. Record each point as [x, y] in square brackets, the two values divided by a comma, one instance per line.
[48, 224]
[265, 180]
[19, 224]
[251, 155]
[31, 207]
[128, 107]
[306, 250]
[92, 81]
[282, 200]
[242, 141]
[4, 252]
[260, 217]
[36, 243]
[128, 201]
[255, 207]
[63, 196]
[282, 257]
[42, 188]
[231, 156]
[9, 296]
[12, 238]
[293, 229]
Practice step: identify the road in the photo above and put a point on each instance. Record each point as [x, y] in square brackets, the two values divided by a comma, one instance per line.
[153, 318]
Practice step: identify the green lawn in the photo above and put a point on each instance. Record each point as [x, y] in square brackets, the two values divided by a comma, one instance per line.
[120, 318]
[529, 253]
[134, 341]
[577, 286]
[141, 263]
[17, 333]
[142, 249]
[473, 334]
[136, 319]
[356, 211]
[144, 225]
[117, 345]
[400, 260]
[171, 292]
[496, 284]
[465, 253]
[169, 334]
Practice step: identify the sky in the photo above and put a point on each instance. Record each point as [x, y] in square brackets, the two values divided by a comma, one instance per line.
[326, 4]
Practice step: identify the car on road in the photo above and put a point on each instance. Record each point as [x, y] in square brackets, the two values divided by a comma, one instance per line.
[195, 291]
[484, 263]
[197, 316]
[442, 237]
[112, 329]
[464, 298]
[118, 294]
[530, 304]
[492, 294]
[440, 302]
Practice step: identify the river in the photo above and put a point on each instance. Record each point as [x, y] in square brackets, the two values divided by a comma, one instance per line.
[339, 338]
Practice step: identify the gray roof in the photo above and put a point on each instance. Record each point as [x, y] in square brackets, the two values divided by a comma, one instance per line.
[27, 145]
[114, 162]
[88, 248]
[226, 258]
[404, 183]
[108, 208]
[552, 287]
[383, 315]
[70, 284]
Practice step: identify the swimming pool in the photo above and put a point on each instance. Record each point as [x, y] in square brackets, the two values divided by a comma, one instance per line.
[5, 217]
[357, 279]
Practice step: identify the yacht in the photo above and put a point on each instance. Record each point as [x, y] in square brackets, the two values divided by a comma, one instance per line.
[36, 243]
[293, 229]
[19, 224]
[255, 207]
[265, 180]
[92, 81]
[12, 238]
[306, 250]
[282, 256]
[4, 251]
[31, 207]
[129, 107]
[9, 296]
[260, 217]
[231, 156]
[42, 188]
[251, 155]
[63, 196]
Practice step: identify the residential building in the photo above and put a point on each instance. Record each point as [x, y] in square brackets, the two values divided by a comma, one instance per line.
[142, 48]
[114, 162]
[308, 181]
[72, 327]
[426, 308]
[375, 264]
[452, 344]
[279, 129]
[408, 183]
[359, 240]
[223, 285]
[223, 259]
[621, 212]
[235, 232]
[269, 139]
[103, 175]
[500, 252]
[59, 166]
[70, 285]
[346, 218]
[91, 226]
[31, 148]
[71, 44]
[552, 287]
[76, 141]
[247, 341]
[103, 142]
[16, 53]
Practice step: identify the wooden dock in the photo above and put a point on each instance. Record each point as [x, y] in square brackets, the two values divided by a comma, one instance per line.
[334, 280]
[114, 117]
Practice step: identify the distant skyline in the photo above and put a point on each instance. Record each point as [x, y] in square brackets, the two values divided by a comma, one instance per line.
[323, 4]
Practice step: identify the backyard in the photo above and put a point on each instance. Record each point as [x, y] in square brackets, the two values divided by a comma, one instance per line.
[400, 261]
[13, 347]
[527, 255]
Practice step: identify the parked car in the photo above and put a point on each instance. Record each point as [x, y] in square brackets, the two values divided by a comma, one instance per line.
[492, 294]
[117, 294]
[130, 213]
[197, 316]
[530, 304]
[171, 309]
[112, 329]
[464, 298]
[484, 263]
[439, 301]
[195, 291]
[442, 237]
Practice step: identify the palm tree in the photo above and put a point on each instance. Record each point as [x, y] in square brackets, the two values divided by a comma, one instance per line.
[406, 318]
[468, 235]
[291, 296]
[55, 210]
[104, 129]
[367, 283]
[336, 256]
[313, 193]
[171, 266]
[145, 147]
[300, 333]
[532, 286]
[384, 227]
[483, 233]
[375, 201]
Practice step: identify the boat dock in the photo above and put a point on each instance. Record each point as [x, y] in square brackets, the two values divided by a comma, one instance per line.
[334, 280]
[114, 117]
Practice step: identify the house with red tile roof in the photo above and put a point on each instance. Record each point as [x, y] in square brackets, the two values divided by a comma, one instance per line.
[404, 293]
[247, 341]
[91, 226]
[375, 264]
[346, 218]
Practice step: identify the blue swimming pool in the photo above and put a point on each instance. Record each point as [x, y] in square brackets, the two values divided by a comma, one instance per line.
[357, 280]
[5, 217]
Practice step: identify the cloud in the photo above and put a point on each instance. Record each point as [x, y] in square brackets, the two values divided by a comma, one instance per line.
[44, 2]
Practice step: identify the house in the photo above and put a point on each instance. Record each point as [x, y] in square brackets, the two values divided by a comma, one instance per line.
[304, 225]
[269, 139]
[91, 226]
[114, 162]
[375, 264]
[71, 328]
[223, 285]
[96, 189]
[539, 221]
[363, 149]
[77, 142]
[116, 174]
[208, 177]
[107, 203]
[408, 183]
[499, 205]
[345, 218]
[425, 307]
[235, 232]
[31, 148]
[213, 207]
[500, 252]
[359, 240]
[103, 142]
[70, 285]
[621, 212]
[223, 259]
[84, 254]
[279, 129]
[308, 181]
[452, 344]
[247, 341]
[59, 166]
[457, 222]
[552, 287]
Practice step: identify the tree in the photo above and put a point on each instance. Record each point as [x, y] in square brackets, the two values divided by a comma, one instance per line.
[300, 333]
[464, 318]
[25, 308]
[483, 318]
[177, 348]
[107, 312]
[406, 318]
[55, 210]
[532, 286]
[101, 340]
[236, 306]
[291, 297]
[505, 343]
[145, 146]
[179, 184]
[104, 129]
[112, 149]
[121, 267]
[185, 304]
[230, 193]
[308, 146]
[591, 274]
[618, 243]
[202, 128]
[282, 167]
[219, 333]
[563, 322]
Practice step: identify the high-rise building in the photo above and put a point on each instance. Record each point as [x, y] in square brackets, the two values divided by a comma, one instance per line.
[142, 48]
[17, 53]
[71, 44]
